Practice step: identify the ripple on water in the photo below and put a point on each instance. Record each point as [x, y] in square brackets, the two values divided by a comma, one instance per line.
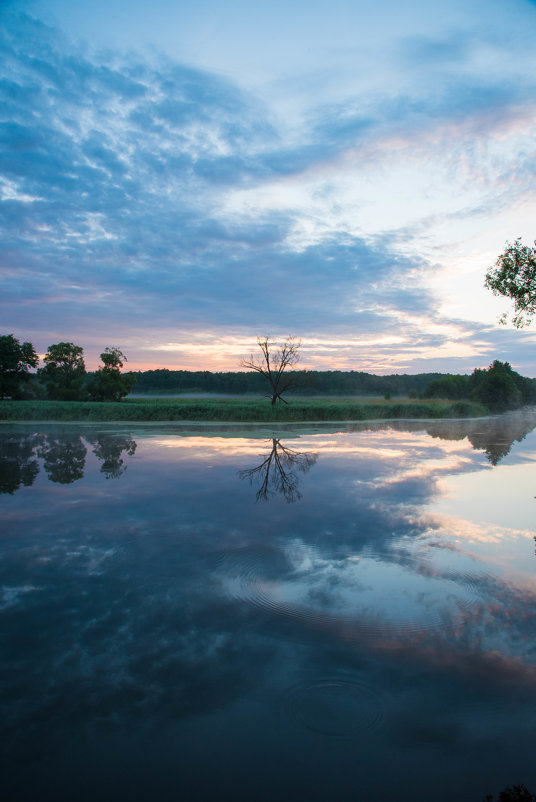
[374, 594]
[336, 707]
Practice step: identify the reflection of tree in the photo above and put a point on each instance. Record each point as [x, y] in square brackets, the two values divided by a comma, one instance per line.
[495, 449]
[277, 473]
[108, 448]
[495, 436]
[64, 458]
[18, 465]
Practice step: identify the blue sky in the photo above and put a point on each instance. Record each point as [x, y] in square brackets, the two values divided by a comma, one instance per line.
[177, 178]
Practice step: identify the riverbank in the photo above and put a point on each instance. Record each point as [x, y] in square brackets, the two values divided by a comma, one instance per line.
[236, 410]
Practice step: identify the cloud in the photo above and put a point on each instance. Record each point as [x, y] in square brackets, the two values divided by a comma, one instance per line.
[151, 191]
[123, 204]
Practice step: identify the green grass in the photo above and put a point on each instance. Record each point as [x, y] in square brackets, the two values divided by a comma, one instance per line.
[240, 409]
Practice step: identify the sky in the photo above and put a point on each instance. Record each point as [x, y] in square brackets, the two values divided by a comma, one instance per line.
[179, 178]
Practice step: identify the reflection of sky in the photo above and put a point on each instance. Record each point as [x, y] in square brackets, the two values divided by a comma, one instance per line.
[165, 615]
[499, 498]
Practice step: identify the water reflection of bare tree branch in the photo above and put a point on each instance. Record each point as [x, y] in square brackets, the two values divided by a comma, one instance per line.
[278, 472]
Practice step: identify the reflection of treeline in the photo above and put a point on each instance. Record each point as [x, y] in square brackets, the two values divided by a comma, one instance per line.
[305, 382]
[495, 437]
[498, 387]
[63, 457]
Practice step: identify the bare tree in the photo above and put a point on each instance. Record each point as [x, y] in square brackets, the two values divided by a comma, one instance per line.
[274, 361]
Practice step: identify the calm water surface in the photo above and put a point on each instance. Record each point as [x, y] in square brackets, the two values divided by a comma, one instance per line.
[313, 614]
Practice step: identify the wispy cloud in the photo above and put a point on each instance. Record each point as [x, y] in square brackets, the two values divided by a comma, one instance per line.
[142, 197]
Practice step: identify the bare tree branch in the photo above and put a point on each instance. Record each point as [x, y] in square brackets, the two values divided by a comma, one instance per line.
[273, 362]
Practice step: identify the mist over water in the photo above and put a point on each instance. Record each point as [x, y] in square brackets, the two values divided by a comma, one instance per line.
[307, 613]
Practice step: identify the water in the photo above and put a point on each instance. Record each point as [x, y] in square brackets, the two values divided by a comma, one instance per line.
[307, 613]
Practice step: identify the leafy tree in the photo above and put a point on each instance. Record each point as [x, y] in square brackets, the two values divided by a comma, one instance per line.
[495, 387]
[64, 372]
[273, 363]
[113, 358]
[15, 363]
[108, 383]
[514, 276]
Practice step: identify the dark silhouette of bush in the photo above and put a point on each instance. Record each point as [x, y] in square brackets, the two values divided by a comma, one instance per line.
[517, 793]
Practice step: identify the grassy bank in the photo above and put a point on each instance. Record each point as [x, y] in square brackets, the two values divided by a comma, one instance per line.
[253, 410]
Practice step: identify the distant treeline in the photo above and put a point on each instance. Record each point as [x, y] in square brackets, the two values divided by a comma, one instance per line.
[498, 387]
[63, 377]
[305, 382]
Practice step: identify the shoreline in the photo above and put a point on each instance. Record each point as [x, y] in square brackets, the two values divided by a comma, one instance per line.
[336, 411]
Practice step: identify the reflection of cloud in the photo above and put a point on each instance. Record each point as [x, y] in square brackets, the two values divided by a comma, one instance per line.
[433, 467]
[169, 600]
[200, 447]
[470, 532]
[10, 596]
